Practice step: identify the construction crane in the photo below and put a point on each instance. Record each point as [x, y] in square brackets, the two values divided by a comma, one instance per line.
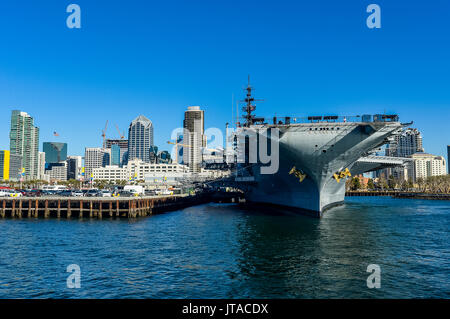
[122, 136]
[176, 149]
[104, 134]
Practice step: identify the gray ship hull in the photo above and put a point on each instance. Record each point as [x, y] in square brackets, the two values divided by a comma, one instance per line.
[317, 150]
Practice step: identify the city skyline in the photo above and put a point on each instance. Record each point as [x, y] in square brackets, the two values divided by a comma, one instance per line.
[312, 59]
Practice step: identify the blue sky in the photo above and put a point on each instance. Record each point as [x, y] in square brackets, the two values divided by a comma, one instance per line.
[157, 57]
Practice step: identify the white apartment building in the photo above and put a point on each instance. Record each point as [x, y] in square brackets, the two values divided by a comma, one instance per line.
[136, 169]
[140, 169]
[111, 173]
[427, 165]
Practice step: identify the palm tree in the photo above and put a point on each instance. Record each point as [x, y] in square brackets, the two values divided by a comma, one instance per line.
[370, 184]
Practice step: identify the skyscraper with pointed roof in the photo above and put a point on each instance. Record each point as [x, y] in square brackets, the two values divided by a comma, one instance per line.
[140, 139]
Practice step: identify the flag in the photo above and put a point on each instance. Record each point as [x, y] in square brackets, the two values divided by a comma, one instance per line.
[55, 134]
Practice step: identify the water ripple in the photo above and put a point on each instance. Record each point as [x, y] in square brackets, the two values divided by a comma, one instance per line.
[223, 251]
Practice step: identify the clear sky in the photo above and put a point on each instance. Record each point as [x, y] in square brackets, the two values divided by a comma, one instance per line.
[157, 57]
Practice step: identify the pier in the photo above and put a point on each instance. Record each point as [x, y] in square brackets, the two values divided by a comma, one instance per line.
[73, 207]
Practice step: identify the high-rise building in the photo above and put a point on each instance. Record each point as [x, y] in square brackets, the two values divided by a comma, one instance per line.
[193, 135]
[71, 168]
[24, 141]
[153, 157]
[124, 159]
[406, 144]
[164, 157]
[115, 155]
[123, 145]
[55, 152]
[95, 157]
[140, 139]
[74, 165]
[41, 173]
[10, 166]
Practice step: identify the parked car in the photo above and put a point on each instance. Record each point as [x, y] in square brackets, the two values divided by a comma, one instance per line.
[135, 189]
[78, 193]
[14, 193]
[33, 193]
[93, 193]
[47, 192]
[106, 193]
[164, 192]
[126, 194]
[4, 192]
[66, 193]
[150, 193]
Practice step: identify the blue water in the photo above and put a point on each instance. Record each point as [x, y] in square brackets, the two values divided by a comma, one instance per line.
[223, 251]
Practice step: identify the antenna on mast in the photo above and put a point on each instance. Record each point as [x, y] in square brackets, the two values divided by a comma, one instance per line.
[250, 119]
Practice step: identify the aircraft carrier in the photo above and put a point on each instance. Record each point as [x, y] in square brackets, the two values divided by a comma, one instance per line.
[315, 156]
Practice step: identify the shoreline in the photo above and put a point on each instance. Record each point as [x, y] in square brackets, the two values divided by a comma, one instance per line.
[396, 194]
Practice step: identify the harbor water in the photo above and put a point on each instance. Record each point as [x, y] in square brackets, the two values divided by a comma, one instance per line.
[228, 251]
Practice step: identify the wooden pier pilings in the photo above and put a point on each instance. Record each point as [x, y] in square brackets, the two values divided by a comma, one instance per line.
[73, 207]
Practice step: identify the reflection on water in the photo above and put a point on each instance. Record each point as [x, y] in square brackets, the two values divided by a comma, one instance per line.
[226, 251]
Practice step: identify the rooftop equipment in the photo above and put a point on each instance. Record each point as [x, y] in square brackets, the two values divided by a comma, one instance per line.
[314, 118]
